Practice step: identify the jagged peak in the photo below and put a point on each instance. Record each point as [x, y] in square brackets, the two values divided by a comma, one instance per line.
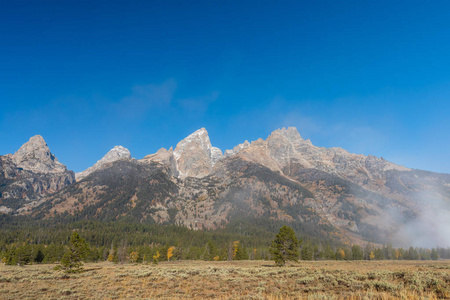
[195, 156]
[35, 156]
[200, 131]
[116, 153]
[215, 155]
[162, 151]
[119, 151]
[200, 134]
[237, 149]
[36, 142]
[37, 139]
[290, 133]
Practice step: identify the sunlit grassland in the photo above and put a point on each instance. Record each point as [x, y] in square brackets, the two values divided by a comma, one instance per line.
[232, 280]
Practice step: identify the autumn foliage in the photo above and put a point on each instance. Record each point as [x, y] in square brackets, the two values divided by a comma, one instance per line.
[170, 252]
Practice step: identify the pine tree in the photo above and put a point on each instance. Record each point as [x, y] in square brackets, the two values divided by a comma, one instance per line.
[329, 253]
[285, 246]
[39, 257]
[241, 252]
[24, 254]
[307, 251]
[210, 251]
[357, 253]
[434, 254]
[72, 259]
[11, 256]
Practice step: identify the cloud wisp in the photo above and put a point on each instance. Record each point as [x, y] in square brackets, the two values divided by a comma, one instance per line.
[145, 98]
[198, 104]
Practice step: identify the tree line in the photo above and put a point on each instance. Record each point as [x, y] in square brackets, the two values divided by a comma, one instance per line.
[30, 252]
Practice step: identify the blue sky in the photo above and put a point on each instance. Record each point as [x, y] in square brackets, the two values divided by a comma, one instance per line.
[372, 77]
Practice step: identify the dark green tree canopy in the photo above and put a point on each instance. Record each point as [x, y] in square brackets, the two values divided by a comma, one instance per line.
[285, 246]
[72, 259]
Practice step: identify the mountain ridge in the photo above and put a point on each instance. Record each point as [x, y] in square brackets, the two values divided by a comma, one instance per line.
[330, 191]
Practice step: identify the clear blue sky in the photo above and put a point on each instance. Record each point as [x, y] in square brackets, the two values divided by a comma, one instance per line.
[372, 77]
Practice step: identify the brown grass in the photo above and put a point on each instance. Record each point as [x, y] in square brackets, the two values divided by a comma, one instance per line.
[232, 280]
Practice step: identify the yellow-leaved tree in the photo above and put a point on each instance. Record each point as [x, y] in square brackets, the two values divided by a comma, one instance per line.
[134, 256]
[170, 252]
[155, 257]
[235, 248]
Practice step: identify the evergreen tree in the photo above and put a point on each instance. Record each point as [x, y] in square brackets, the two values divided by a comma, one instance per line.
[328, 253]
[413, 254]
[210, 251]
[241, 252]
[357, 253]
[434, 255]
[24, 254]
[77, 251]
[285, 246]
[53, 253]
[379, 254]
[39, 257]
[307, 252]
[11, 256]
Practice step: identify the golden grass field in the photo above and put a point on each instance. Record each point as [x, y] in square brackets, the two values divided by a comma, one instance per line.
[232, 280]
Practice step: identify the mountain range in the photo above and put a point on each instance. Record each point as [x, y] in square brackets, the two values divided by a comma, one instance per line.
[324, 192]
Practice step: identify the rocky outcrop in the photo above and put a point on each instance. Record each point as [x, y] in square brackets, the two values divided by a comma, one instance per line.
[29, 175]
[35, 156]
[195, 155]
[215, 155]
[164, 157]
[116, 153]
[236, 149]
[285, 148]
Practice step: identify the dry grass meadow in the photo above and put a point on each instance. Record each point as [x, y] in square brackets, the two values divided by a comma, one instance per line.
[232, 280]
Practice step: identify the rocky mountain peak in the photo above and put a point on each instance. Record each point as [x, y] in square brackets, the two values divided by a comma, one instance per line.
[35, 156]
[37, 140]
[195, 155]
[283, 143]
[215, 155]
[116, 153]
[161, 156]
[291, 134]
[237, 149]
[164, 157]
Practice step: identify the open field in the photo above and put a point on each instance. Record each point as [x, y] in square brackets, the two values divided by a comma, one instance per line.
[232, 280]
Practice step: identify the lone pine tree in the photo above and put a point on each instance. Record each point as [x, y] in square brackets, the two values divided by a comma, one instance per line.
[285, 246]
[77, 251]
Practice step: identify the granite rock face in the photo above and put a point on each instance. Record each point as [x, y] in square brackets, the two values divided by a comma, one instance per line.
[285, 148]
[29, 175]
[195, 156]
[116, 153]
[163, 157]
[215, 155]
[236, 149]
[35, 156]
